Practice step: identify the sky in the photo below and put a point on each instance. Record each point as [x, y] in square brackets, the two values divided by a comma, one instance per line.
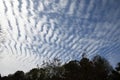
[33, 31]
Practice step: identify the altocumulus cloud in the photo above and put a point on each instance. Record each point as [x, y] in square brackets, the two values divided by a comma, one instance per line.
[36, 30]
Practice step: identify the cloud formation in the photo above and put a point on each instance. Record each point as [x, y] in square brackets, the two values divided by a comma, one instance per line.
[40, 29]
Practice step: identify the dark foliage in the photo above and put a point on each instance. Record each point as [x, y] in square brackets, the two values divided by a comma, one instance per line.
[96, 69]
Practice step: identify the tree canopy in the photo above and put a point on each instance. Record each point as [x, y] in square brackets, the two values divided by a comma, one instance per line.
[96, 69]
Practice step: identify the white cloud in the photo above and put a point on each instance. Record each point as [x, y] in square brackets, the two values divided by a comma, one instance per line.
[63, 36]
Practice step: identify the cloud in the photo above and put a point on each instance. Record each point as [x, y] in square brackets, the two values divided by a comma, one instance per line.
[38, 30]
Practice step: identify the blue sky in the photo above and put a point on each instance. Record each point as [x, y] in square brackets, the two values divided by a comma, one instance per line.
[36, 30]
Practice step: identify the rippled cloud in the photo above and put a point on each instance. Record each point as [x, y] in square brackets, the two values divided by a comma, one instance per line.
[36, 30]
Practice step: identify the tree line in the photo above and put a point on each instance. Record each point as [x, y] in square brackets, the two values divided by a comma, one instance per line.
[85, 69]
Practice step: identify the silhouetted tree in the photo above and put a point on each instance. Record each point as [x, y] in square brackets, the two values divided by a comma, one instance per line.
[96, 69]
[86, 69]
[53, 69]
[4, 78]
[115, 73]
[72, 70]
[19, 75]
[118, 67]
[33, 74]
[0, 76]
[102, 68]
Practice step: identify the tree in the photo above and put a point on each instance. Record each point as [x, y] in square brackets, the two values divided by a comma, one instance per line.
[115, 73]
[19, 75]
[53, 69]
[96, 69]
[33, 74]
[0, 76]
[118, 68]
[72, 70]
[86, 69]
[102, 68]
